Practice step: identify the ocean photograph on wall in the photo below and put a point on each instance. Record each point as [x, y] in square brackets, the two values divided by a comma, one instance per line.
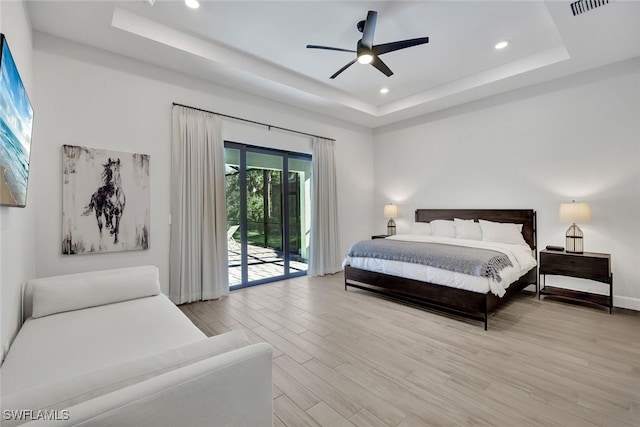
[16, 122]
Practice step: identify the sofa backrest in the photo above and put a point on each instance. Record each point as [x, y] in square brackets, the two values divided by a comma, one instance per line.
[50, 295]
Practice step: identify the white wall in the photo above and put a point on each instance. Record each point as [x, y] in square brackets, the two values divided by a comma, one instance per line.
[17, 238]
[93, 98]
[574, 138]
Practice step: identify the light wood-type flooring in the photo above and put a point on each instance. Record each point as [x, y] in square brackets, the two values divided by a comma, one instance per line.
[355, 359]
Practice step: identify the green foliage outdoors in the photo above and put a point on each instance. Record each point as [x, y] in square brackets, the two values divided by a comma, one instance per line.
[264, 206]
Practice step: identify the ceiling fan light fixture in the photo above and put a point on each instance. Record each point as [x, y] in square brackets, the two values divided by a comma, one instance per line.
[365, 58]
[384, 90]
[368, 53]
[193, 4]
[502, 44]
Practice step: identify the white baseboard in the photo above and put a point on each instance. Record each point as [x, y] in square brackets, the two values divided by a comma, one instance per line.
[626, 302]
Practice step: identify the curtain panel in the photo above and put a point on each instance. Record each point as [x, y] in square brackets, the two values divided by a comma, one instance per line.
[325, 256]
[198, 267]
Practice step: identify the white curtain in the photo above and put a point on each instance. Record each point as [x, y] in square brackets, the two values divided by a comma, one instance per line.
[325, 256]
[198, 249]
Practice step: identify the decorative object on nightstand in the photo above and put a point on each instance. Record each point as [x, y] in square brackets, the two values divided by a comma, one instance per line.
[587, 265]
[572, 213]
[391, 211]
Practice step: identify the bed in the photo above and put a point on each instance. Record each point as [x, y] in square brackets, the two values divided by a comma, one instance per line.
[474, 304]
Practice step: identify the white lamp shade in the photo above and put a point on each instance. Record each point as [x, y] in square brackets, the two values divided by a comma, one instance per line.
[391, 211]
[571, 213]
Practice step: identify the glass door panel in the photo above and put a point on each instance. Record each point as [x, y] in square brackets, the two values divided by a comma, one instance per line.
[299, 201]
[268, 195]
[265, 251]
[234, 209]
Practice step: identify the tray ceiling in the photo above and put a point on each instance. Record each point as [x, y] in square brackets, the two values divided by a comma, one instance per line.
[260, 47]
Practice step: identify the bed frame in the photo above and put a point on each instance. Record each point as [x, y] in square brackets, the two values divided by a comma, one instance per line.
[457, 301]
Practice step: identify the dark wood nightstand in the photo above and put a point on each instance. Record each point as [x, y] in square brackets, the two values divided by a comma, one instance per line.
[588, 265]
[380, 236]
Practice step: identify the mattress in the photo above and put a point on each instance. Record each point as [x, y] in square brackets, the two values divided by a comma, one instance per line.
[520, 256]
[70, 343]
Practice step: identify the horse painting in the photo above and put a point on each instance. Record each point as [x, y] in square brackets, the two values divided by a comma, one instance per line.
[108, 201]
[94, 183]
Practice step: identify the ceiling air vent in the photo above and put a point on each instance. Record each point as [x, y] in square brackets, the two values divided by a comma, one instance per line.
[582, 6]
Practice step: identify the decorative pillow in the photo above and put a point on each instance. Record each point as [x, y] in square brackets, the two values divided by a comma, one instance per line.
[502, 232]
[467, 229]
[74, 390]
[422, 228]
[58, 294]
[443, 228]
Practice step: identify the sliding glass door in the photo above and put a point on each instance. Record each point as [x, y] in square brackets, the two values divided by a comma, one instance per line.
[268, 198]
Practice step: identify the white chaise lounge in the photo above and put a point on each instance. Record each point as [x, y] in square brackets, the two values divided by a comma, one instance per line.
[108, 348]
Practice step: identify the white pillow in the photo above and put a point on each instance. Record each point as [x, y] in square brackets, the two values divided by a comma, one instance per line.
[443, 228]
[467, 229]
[70, 292]
[422, 228]
[502, 232]
[89, 385]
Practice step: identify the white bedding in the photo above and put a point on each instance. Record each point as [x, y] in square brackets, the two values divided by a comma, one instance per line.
[519, 255]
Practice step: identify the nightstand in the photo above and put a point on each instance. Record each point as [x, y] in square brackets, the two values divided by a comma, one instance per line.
[380, 236]
[588, 265]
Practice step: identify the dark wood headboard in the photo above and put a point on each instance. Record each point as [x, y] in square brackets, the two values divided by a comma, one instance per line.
[526, 217]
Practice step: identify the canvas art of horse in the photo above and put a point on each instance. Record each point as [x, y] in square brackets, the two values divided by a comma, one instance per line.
[108, 201]
[94, 183]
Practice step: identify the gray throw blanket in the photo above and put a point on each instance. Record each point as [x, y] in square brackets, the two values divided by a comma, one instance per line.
[461, 259]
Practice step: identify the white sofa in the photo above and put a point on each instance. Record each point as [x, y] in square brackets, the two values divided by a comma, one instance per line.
[107, 348]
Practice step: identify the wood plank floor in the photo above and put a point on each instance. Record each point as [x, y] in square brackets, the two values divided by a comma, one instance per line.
[356, 359]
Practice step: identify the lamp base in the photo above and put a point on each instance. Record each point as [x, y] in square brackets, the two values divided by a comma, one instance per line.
[575, 240]
[391, 227]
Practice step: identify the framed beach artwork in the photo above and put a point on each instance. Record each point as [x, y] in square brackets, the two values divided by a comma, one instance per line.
[105, 200]
[16, 125]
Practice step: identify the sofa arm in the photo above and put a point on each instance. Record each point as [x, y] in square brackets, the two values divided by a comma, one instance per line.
[231, 389]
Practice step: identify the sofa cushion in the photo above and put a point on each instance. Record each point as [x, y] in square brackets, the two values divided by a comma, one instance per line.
[58, 294]
[76, 389]
[51, 348]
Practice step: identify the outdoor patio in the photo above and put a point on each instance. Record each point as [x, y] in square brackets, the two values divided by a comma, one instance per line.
[263, 264]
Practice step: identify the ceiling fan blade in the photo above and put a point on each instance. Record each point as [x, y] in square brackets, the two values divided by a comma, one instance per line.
[313, 46]
[343, 68]
[390, 47]
[377, 62]
[369, 29]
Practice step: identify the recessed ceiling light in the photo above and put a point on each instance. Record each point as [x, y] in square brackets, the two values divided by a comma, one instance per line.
[384, 90]
[502, 44]
[193, 4]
